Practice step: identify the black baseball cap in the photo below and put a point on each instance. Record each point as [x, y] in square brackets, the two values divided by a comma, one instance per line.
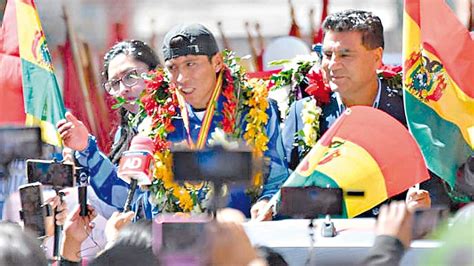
[198, 40]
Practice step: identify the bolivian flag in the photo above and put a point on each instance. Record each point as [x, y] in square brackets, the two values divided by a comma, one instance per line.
[438, 85]
[365, 150]
[43, 102]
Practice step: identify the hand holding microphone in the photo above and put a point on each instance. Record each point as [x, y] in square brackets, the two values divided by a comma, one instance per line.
[136, 166]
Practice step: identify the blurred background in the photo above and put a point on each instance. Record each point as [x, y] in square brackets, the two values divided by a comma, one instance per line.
[100, 23]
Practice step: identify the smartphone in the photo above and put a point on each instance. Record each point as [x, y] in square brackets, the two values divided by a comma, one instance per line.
[213, 165]
[26, 144]
[425, 221]
[310, 202]
[180, 240]
[32, 210]
[50, 173]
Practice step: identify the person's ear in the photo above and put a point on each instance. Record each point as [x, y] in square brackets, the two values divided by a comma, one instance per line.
[217, 62]
[378, 54]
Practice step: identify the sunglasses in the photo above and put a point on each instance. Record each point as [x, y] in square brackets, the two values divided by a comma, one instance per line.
[128, 79]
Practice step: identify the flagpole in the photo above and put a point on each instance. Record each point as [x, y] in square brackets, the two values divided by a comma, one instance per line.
[251, 43]
[80, 71]
[153, 38]
[261, 40]
[225, 41]
[294, 28]
[471, 17]
[312, 27]
[98, 98]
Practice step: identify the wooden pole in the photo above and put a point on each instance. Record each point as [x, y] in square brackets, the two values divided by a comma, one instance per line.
[80, 71]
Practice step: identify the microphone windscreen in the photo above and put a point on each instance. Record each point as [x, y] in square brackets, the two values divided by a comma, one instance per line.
[141, 143]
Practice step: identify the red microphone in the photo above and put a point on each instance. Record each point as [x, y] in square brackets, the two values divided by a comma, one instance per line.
[137, 163]
[136, 166]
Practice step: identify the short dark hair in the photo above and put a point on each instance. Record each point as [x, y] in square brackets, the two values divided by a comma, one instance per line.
[365, 22]
[134, 243]
[140, 51]
[135, 48]
[270, 256]
[12, 239]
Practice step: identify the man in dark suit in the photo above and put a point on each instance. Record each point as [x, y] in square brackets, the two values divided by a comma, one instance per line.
[351, 54]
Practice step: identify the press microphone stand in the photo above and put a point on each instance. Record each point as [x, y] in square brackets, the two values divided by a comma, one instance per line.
[57, 228]
[131, 193]
[217, 199]
[83, 176]
[327, 230]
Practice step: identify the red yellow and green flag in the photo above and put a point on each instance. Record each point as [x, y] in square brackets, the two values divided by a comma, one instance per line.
[365, 150]
[438, 54]
[43, 103]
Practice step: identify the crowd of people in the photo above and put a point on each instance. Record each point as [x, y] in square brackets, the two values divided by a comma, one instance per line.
[352, 52]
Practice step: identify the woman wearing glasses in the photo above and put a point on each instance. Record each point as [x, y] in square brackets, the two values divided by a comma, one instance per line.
[123, 66]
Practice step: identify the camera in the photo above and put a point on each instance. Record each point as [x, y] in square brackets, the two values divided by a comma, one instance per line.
[425, 221]
[180, 240]
[311, 201]
[32, 210]
[214, 164]
[50, 173]
[19, 143]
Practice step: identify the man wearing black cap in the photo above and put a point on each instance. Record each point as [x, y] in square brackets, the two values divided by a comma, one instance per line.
[193, 60]
[195, 65]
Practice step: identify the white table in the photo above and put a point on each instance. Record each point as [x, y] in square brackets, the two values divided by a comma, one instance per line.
[354, 237]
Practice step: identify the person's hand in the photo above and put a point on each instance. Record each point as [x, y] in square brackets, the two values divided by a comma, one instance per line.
[73, 132]
[417, 199]
[77, 229]
[230, 215]
[229, 244]
[68, 155]
[259, 207]
[115, 223]
[395, 220]
[61, 214]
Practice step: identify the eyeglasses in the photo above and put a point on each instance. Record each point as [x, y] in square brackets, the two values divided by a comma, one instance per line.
[129, 79]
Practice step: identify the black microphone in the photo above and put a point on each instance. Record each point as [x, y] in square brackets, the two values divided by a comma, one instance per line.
[83, 176]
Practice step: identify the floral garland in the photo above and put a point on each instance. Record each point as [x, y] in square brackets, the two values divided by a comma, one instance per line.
[304, 77]
[246, 98]
[244, 101]
[294, 75]
[159, 103]
[311, 112]
[250, 98]
[321, 95]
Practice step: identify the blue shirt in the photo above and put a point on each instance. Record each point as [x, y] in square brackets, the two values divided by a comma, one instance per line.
[113, 190]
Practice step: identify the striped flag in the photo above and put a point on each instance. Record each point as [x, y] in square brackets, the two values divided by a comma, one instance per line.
[365, 150]
[44, 106]
[438, 82]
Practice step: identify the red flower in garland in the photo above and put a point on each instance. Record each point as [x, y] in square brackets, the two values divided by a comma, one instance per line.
[389, 71]
[153, 84]
[149, 104]
[160, 103]
[317, 87]
[228, 112]
[161, 144]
